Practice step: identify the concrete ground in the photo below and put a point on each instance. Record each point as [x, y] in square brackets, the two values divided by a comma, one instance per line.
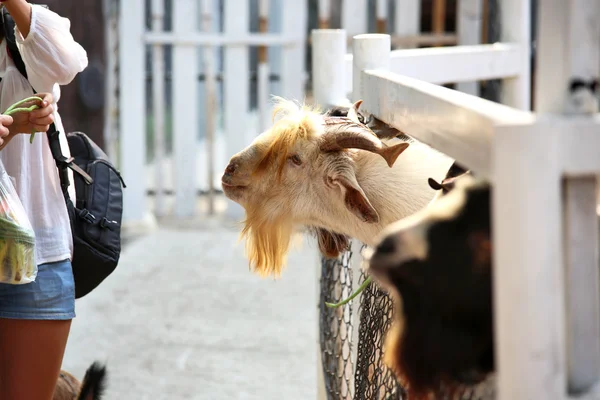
[182, 317]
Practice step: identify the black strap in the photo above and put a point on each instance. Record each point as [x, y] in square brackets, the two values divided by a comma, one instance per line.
[62, 162]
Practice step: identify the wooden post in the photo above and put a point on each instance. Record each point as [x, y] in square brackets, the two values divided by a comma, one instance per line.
[380, 16]
[158, 109]
[516, 25]
[569, 46]
[328, 66]
[263, 82]
[324, 13]
[370, 51]
[236, 87]
[528, 258]
[185, 102]
[469, 13]
[408, 19]
[294, 23]
[438, 18]
[354, 17]
[211, 102]
[132, 110]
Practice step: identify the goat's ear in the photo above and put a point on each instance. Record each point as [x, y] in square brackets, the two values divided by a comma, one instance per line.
[355, 199]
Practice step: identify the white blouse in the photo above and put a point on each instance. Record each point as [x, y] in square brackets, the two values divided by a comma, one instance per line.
[52, 58]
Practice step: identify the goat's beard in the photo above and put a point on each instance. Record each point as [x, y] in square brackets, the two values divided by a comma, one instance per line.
[268, 239]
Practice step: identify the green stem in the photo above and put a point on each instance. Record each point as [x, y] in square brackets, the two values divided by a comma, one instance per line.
[15, 109]
[353, 295]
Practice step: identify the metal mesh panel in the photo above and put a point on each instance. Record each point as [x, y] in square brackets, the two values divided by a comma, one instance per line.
[366, 378]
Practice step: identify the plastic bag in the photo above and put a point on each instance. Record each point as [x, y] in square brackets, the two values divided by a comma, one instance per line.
[17, 238]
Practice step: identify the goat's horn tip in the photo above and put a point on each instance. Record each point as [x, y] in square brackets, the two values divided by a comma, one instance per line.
[391, 153]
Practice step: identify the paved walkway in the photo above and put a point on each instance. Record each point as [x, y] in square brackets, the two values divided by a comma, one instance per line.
[184, 318]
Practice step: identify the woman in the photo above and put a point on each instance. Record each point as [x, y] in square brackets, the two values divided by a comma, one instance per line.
[35, 318]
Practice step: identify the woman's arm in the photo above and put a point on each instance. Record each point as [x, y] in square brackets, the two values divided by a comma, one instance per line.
[20, 10]
[50, 52]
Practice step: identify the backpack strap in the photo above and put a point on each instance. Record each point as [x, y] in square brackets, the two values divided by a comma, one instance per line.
[62, 162]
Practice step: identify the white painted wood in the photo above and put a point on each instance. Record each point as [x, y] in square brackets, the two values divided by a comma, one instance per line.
[324, 12]
[582, 282]
[408, 18]
[370, 51]
[236, 86]
[528, 275]
[461, 63]
[328, 66]
[111, 107]
[455, 123]
[294, 22]
[469, 16]
[211, 101]
[159, 107]
[354, 21]
[263, 72]
[215, 39]
[571, 48]
[185, 101]
[516, 25]
[132, 109]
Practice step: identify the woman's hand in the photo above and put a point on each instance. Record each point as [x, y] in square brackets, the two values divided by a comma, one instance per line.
[38, 120]
[5, 121]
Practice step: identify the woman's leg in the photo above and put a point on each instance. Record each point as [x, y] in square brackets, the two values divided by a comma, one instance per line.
[31, 354]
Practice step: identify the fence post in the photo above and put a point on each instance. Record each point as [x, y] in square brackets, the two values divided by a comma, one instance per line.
[516, 26]
[571, 48]
[329, 66]
[469, 16]
[370, 51]
[158, 108]
[293, 74]
[328, 80]
[236, 87]
[408, 20]
[354, 16]
[132, 112]
[185, 104]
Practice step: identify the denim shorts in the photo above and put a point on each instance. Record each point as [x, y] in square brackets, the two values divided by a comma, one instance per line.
[51, 296]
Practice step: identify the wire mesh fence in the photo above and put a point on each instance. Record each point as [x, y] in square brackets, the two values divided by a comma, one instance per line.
[352, 338]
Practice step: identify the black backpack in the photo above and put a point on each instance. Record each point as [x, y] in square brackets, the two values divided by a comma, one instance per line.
[97, 212]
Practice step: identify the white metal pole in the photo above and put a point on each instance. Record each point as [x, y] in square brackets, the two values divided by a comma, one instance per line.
[328, 66]
[370, 51]
[158, 109]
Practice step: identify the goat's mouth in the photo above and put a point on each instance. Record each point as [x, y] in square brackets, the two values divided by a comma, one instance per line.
[231, 191]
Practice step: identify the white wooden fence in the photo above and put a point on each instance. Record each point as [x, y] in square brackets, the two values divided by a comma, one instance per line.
[542, 165]
[195, 37]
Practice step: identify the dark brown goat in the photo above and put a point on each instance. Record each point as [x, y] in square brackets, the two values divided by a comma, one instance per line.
[437, 266]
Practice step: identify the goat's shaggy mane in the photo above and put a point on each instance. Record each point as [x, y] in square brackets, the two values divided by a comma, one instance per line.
[268, 232]
[297, 121]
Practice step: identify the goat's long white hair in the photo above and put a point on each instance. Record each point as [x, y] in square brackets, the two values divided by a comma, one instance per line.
[268, 227]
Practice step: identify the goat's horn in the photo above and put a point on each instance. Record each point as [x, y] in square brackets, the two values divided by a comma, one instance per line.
[353, 111]
[343, 133]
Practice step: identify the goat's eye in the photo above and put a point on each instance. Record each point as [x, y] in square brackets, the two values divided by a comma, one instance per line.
[296, 159]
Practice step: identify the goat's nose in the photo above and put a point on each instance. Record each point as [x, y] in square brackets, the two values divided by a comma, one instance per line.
[230, 170]
[387, 246]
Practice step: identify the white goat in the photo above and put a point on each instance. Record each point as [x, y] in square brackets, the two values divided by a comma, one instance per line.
[330, 173]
